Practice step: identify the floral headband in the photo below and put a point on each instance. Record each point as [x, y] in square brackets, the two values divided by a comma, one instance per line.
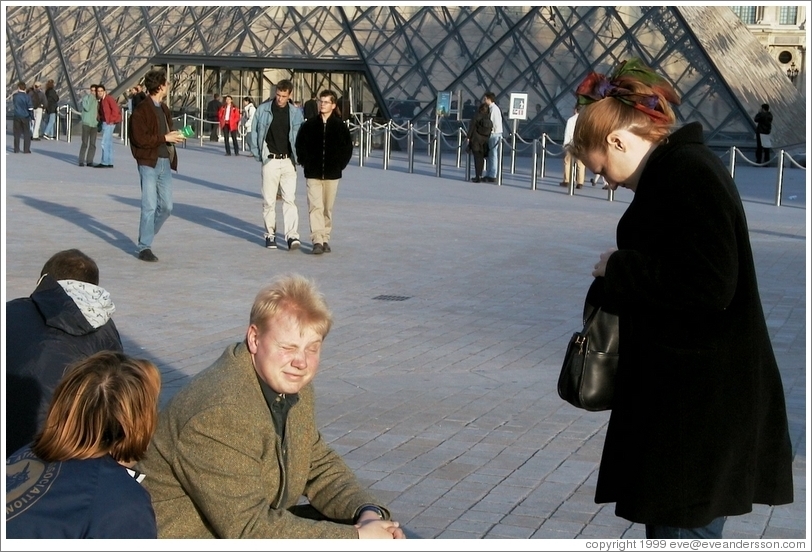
[597, 87]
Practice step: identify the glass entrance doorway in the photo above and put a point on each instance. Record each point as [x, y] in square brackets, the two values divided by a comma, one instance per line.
[193, 86]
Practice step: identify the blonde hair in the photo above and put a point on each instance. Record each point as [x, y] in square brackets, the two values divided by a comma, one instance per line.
[295, 296]
[105, 403]
[599, 119]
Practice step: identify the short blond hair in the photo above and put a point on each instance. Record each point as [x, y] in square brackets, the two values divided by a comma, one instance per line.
[296, 296]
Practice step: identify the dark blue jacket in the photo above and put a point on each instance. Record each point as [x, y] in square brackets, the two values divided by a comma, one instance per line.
[44, 334]
[22, 104]
[95, 498]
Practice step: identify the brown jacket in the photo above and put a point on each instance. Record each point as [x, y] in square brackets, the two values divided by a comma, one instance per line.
[146, 136]
[214, 466]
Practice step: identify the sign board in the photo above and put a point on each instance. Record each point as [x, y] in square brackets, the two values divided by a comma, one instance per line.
[443, 103]
[518, 106]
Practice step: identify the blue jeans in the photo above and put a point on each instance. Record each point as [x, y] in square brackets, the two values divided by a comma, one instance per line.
[493, 154]
[49, 128]
[713, 530]
[107, 144]
[156, 200]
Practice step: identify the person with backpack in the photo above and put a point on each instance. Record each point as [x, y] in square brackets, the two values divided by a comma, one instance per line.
[479, 132]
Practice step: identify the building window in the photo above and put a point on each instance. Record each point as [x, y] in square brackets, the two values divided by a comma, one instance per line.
[787, 15]
[746, 13]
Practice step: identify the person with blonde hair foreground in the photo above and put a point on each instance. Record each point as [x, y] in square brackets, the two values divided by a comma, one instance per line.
[74, 480]
[698, 429]
[238, 447]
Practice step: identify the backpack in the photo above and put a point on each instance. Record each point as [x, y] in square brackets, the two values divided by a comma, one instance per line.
[484, 126]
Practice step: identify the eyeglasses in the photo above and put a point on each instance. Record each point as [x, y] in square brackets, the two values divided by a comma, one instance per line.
[325, 101]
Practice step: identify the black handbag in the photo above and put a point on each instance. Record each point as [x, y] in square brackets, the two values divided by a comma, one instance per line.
[587, 378]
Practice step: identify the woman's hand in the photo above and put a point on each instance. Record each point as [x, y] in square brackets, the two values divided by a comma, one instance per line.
[600, 266]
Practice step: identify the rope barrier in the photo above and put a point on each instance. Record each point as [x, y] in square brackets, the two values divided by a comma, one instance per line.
[753, 163]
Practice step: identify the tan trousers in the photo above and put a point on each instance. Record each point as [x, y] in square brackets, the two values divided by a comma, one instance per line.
[579, 170]
[321, 196]
[279, 175]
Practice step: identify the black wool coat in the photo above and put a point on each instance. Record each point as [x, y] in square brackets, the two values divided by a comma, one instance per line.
[699, 426]
[324, 149]
[478, 142]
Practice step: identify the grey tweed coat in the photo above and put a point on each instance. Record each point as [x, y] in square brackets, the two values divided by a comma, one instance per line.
[214, 465]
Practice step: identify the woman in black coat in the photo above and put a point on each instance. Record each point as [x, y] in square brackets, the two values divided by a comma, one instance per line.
[479, 131]
[698, 429]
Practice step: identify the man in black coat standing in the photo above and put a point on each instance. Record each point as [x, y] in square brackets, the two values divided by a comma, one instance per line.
[323, 148]
[212, 115]
[764, 126]
[67, 318]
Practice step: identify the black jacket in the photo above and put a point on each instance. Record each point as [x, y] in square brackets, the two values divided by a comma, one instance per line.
[699, 428]
[324, 149]
[764, 122]
[44, 334]
[478, 141]
[53, 100]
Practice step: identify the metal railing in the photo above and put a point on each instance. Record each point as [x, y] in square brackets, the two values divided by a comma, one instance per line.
[540, 149]
[367, 131]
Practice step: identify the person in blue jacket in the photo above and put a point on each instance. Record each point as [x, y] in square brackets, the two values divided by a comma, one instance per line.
[23, 112]
[74, 480]
[273, 143]
[68, 317]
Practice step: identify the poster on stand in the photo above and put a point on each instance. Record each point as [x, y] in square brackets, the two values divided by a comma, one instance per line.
[443, 103]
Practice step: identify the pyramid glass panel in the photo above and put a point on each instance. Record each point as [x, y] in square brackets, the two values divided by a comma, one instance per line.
[394, 60]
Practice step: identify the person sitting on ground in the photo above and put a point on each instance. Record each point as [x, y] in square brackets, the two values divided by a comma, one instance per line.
[74, 481]
[67, 318]
[237, 448]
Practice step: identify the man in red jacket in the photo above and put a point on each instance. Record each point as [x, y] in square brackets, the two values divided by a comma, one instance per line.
[109, 117]
[152, 142]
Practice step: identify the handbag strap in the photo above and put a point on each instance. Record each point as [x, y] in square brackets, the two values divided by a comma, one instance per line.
[590, 319]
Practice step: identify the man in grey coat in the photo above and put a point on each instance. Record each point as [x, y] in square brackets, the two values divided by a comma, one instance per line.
[238, 447]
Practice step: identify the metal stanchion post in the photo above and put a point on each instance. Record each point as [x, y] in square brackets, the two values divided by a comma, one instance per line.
[387, 144]
[125, 123]
[439, 149]
[779, 183]
[184, 126]
[513, 148]
[68, 124]
[732, 161]
[543, 154]
[429, 142]
[410, 147]
[499, 162]
[459, 147]
[534, 166]
[361, 140]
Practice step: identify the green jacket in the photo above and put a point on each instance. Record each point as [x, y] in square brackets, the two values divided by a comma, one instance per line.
[90, 110]
[214, 469]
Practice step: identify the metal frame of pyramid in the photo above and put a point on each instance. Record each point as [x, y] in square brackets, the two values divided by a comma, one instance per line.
[410, 53]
